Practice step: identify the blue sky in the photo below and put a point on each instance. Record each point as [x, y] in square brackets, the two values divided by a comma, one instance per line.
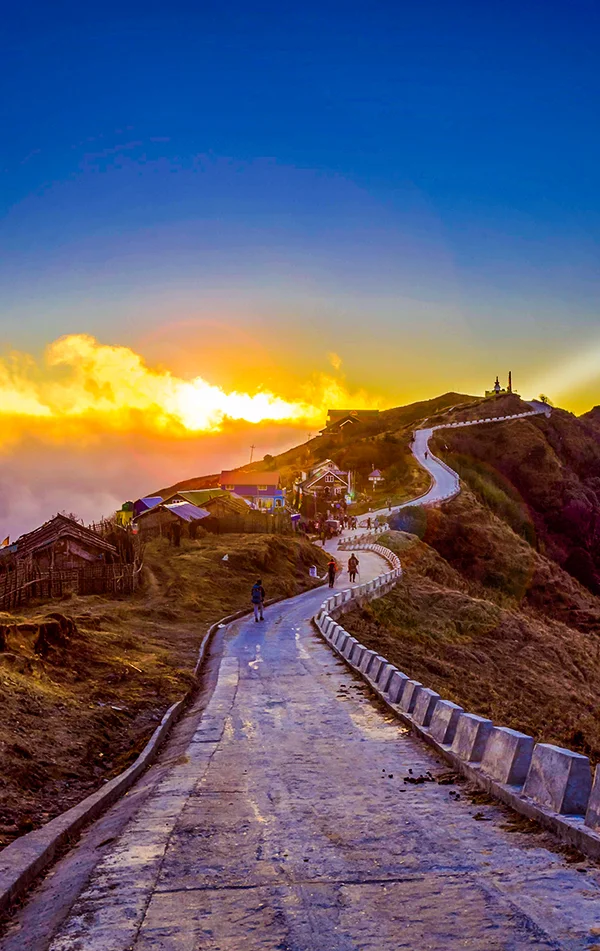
[385, 180]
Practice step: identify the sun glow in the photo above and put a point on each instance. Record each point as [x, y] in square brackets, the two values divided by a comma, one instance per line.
[111, 387]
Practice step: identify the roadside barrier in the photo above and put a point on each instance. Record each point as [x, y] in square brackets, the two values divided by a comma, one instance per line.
[546, 783]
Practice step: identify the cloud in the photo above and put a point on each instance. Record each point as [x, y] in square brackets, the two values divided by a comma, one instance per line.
[82, 386]
[91, 425]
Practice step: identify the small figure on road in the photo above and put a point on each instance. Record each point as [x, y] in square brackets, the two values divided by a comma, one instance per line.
[369, 523]
[352, 567]
[331, 571]
[258, 600]
[426, 454]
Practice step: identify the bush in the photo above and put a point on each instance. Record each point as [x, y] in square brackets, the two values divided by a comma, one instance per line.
[412, 519]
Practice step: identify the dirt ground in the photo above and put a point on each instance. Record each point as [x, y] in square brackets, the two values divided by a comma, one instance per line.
[81, 698]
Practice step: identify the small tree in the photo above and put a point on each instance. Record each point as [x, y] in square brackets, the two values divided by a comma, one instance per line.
[545, 399]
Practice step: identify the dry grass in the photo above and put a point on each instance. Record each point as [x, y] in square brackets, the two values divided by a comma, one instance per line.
[498, 651]
[80, 714]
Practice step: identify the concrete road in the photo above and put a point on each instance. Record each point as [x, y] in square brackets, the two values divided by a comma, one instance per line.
[280, 820]
[445, 482]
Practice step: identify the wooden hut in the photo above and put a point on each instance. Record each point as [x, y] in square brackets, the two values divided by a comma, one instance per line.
[62, 543]
[174, 520]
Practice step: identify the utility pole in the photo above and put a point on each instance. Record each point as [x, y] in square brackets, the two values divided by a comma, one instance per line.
[252, 448]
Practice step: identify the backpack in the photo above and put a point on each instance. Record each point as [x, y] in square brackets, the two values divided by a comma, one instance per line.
[256, 594]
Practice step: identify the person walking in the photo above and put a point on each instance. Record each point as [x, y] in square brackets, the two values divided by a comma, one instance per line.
[331, 571]
[352, 567]
[258, 600]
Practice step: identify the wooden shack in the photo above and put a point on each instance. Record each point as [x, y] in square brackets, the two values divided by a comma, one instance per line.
[174, 520]
[63, 543]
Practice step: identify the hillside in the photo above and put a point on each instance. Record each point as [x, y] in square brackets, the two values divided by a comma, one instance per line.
[499, 607]
[383, 444]
[491, 624]
[81, 695]
[542, 475]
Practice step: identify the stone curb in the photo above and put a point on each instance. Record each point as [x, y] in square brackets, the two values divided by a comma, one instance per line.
[569, 829]
[27, 857]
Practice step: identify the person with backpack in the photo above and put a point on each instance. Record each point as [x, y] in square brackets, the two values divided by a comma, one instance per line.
[352, 567]
[258, 600]
[331, 571]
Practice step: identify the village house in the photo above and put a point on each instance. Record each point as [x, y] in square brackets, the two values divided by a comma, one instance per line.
[145, 504]
[326, 482]
[174, 520]
[61, 543]
[197, 497]
[345, 420]
[262, 489]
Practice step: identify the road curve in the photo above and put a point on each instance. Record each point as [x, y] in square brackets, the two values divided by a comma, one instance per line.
[445, 482]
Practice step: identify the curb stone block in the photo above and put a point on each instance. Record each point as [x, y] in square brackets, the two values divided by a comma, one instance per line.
[375, 668]
[349, 646]
[342, 640]
[357, 655]
[331, 630]
[471, 736]
[336, 633]
[410, 695]
[444, 721]
[425, 705]
[366, 659]
[507, 756]
[385, 676]
[559, 779]
[592, 816]
[397, 684]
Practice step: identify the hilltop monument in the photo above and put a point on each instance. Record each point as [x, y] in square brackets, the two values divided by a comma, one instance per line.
[498, 389]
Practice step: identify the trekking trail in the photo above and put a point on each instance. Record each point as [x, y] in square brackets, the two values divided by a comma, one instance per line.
[278, 818]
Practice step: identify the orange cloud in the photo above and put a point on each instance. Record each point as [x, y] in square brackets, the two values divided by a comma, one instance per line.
[83, 387]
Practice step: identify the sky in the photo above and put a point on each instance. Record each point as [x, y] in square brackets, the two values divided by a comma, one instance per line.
[216, 220]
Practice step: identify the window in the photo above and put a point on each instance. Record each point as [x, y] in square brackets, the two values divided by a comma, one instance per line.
[329, 478]
[230, 488]
[261, 488]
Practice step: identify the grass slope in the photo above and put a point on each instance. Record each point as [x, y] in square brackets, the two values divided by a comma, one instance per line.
[493, 625]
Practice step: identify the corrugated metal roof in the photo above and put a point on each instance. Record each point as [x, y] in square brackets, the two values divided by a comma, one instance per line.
[186, 511]
[198, 496]
[151, 501]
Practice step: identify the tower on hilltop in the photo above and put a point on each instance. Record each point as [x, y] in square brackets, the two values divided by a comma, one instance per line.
[498, 389]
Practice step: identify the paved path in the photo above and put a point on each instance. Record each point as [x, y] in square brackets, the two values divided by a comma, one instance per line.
[280, 820]
[445, 482]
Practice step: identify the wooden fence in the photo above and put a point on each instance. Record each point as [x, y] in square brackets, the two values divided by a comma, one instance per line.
[24, 583]
[253, 524]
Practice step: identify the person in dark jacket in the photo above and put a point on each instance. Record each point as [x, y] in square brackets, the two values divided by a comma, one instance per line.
[331, 571]
[258, 600]
[352, 567]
